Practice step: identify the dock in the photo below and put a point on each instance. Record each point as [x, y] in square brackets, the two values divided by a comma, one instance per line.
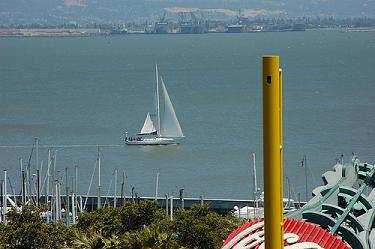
[221, 206]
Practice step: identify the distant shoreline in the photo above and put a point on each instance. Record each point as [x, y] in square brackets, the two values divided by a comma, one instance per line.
[48, 32]
[85, 32]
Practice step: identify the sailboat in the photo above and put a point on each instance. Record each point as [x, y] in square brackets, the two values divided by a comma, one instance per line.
[161, 126]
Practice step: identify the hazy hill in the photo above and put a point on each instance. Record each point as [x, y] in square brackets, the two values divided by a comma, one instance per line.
[105, 11]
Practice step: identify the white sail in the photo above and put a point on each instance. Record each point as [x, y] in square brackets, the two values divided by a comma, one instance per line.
[169, 125]
[148, 126]
[157, 98]
[162, 122]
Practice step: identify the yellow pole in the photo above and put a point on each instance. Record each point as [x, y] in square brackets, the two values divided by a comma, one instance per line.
[272, 153]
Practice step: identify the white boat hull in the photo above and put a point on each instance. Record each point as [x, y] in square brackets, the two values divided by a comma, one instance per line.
[154, 141]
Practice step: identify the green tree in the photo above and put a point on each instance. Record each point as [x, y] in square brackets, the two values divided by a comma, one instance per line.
[26, 229]
[92, 240]
[105, 221]
[201, 228]
[133, 226]
[153, 236]
[116, 221]
[137, 216]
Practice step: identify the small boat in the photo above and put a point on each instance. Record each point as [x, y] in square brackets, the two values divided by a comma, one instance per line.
[256, 211]
[161, 126]
[249, 212]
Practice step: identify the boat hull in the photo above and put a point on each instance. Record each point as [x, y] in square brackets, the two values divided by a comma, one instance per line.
[154, 141]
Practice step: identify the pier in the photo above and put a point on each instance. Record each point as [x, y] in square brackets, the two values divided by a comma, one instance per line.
[221, 206]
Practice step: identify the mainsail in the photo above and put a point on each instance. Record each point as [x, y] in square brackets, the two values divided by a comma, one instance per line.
[148, 126]
[169, 125]
[160, 122]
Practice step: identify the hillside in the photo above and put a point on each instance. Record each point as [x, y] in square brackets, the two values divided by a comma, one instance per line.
[89, 11]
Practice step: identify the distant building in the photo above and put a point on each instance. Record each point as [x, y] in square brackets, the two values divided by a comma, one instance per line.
[235, 28]
[161, 28]
[119, 30]
[298, 27]
[193, 25]
[190, 27]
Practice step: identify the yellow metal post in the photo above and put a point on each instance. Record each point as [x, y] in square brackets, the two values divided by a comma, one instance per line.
[272, 153]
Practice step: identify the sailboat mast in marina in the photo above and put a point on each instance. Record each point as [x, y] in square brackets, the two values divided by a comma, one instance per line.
[161, 126]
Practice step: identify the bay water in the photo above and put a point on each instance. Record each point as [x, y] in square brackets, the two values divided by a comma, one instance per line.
[89, 90]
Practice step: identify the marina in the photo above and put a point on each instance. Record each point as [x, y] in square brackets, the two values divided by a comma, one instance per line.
[47, 185]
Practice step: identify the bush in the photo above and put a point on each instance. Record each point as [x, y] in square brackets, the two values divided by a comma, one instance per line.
[154, 236]
[26, 229]
[201, 228]
[133, 226]
[116, 221]
[105, 221]
[136, 216]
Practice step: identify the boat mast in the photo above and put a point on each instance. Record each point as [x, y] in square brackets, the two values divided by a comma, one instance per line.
[304, 164]
[288, 187]
[23, 188]
[67, 196]
[115, 199]
[255, 186]
[157, 98]
[76, 188]
[157, 186]
[5, 203]
[48, 176]
[99, 186]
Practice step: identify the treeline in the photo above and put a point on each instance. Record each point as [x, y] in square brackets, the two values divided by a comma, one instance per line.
[134, 226]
